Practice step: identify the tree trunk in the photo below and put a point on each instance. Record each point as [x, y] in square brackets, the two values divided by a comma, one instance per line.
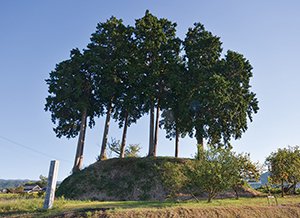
[176, 143]
[151, 131]
[105, 133]
[123, 143]
[156, 129]
[235, 188]
[282, 188]
[79, 152]
[211, 194]
[294, 187]
[200, 147]
[209, 198]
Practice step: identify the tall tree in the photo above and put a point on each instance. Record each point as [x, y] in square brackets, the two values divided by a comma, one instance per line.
[220, 99]
[174, 116]
[158, 49]
[109, 49]
[71, 101]
[202, 51]
[128, 108]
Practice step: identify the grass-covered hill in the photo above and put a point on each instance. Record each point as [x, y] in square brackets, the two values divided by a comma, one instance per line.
[118, 179]
[126, 179]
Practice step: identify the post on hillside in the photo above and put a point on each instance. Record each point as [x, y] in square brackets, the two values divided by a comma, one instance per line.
[51, 186]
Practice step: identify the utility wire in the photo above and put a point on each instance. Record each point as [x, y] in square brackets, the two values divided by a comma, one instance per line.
[33, 150]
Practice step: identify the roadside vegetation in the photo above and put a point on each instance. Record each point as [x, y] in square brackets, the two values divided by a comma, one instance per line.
[13, 205]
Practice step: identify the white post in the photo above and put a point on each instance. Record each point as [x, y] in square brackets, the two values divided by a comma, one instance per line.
[52, 179]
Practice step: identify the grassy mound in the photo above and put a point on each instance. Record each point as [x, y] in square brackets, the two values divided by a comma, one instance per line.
[118, 179]
[126, 179]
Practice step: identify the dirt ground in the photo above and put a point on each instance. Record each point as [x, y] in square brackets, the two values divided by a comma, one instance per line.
[286, 211]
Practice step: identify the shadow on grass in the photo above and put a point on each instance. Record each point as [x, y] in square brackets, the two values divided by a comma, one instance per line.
[20, 213]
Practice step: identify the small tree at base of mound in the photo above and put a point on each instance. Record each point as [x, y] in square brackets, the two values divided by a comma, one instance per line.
[217, 170]
[246, 171]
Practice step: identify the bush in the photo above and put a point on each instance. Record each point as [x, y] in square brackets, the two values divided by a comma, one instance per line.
[218, 170]
[269, 189]
[174, 177]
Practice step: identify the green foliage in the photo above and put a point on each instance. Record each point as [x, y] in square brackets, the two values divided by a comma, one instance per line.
[219, 98]
[114, 146]
[18, 189]
[219, 170]
[175, 114]
[71, 89]
[158, 52]
[123, 179]
[20, 204]
[213, 172]
[132, 150]
[269, 189]
[127, 71]
[247, 170]
[43, 181]
[17, 206]
[284, 167]
[111, 54]
[174, 177]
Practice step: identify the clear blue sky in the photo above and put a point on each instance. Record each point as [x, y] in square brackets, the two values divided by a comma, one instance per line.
[35, 35]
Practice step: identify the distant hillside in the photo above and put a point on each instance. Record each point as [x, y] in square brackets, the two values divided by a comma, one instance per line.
[11, 183]
[264, 178]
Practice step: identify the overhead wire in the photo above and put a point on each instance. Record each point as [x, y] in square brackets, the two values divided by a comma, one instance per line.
[32, 149]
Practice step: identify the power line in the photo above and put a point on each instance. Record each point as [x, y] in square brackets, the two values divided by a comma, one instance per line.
[33, 150]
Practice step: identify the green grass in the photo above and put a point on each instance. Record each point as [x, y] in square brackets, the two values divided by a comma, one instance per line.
[119, 179]
[16, 205]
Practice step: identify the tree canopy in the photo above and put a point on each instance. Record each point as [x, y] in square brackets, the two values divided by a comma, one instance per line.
[71, 100]
[126, 72]
[219, 96]
[220, 170]
[284, 167]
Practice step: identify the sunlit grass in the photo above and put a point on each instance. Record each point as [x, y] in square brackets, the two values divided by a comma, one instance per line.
[12, 204]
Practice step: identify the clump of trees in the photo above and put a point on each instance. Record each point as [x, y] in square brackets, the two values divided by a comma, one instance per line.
[185, 85]
[284, 168]
[217, 170]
